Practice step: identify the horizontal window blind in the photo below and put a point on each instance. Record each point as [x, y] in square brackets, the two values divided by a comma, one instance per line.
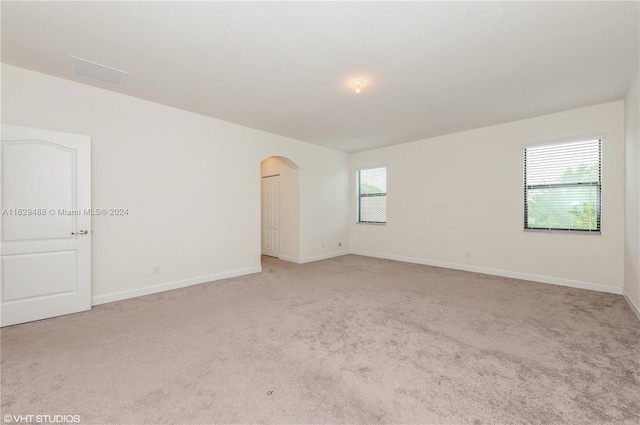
[562, 186]
[372, 195]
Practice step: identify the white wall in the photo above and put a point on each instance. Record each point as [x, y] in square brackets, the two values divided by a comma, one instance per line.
[463, 193]
[191, 183]
[288, 206]
[632, 195]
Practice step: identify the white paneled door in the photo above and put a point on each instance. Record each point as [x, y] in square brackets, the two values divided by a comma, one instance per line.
[270, 216]
[46, 224]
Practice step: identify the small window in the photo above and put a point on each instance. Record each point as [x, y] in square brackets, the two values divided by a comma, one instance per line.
[372, 195]
[562, 186]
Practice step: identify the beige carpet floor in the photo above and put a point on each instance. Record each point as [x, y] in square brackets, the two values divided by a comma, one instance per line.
[346, 340]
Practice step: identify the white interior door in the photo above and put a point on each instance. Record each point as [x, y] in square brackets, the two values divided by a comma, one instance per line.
[271, 216]
[46, 224]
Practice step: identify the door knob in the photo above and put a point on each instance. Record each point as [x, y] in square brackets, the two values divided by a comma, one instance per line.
[80, 232]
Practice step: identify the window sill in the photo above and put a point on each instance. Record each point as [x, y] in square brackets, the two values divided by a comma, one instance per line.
[371, 223]
[574, 232]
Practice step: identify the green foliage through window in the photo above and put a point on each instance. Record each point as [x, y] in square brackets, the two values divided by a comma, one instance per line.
[563, 187]
[372, 195]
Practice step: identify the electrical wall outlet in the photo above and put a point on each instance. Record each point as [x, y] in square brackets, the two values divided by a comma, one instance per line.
[156, 269]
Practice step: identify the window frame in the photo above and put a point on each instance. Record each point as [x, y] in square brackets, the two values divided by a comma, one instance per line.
[359, 196]
[598, 184]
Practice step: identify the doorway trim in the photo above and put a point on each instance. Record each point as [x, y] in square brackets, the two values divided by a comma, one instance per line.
[288, 173]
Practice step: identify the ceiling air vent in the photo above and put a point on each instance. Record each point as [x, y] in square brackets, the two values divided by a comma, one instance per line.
[96, 72]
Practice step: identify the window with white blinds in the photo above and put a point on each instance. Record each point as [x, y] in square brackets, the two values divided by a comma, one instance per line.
[372, 195]
[562, 186]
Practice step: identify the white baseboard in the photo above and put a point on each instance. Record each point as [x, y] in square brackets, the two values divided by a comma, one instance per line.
[289, 259]
[634, 306]
[147, 290]
[323, 256]
[496, 272]
[314, 258]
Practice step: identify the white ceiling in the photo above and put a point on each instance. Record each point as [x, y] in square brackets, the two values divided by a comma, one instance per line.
[430, 68]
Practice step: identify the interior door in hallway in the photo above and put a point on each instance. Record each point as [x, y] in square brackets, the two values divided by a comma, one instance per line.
[271, 216]
[46, 224]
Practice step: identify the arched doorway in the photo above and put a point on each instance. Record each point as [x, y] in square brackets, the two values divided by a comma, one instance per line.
[280, 208]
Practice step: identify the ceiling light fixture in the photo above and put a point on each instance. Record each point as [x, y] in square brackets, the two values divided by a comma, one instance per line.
[357, 84]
